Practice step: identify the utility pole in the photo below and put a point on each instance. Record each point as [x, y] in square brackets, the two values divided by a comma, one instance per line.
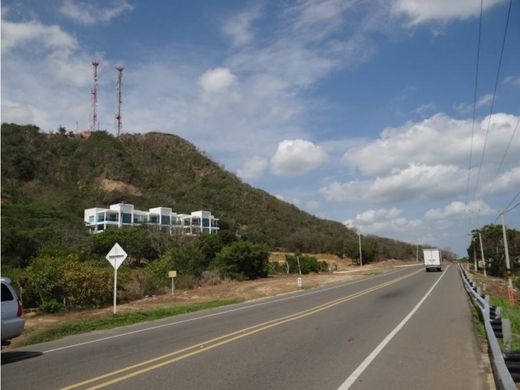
[417, 254]
[360, 251]
[482, 253]
[510, 291]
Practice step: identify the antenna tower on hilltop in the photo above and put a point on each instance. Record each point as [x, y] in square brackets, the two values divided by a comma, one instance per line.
[94, 124]
[119, 99]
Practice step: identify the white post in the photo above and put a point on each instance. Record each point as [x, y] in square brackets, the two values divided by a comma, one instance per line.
[482, 254]
[510, 292]
[115, 290]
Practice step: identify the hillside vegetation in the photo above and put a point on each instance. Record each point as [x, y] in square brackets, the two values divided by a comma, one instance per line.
[48, 179]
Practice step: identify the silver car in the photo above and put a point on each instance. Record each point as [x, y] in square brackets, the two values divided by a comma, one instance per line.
[12, 320]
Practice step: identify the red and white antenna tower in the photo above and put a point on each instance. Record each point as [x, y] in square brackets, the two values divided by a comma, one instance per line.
[94, 124]
[119, 99]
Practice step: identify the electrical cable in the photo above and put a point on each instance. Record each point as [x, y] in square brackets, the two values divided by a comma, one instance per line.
[508, 146]
[494, 96]
[475, 89]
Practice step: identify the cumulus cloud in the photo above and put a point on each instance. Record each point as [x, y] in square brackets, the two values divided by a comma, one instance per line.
[389, 221]
[483, 101]
[17, 35]
[424, 11]
[418, 143]
[216, 80]
[457, 209]
[253, 168]
[506, 181]
[42, 58]
[427, 182]
[296, 157]
[87, 13]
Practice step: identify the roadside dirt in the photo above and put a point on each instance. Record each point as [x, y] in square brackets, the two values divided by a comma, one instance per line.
[229, 290]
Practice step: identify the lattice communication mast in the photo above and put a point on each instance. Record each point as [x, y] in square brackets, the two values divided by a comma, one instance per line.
[94, 123]
[119, 99]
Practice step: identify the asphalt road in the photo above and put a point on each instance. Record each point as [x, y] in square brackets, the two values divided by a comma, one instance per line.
[405, 329]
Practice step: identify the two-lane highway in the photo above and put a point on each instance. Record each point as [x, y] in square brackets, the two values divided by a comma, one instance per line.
[402, 329]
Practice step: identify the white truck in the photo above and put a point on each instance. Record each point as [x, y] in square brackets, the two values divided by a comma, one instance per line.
[432, 260]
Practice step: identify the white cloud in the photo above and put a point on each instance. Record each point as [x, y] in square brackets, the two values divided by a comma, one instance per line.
[507, 181]
[296, 157]
[253, 168]
[87, 13]
[425, 11]
[387, 221]
[239, 27]
[216, 80]
[43, 58]
[483, 101]
[423, 181]
[425, 109]
[458, 209]
[420, 143]
[18, 35]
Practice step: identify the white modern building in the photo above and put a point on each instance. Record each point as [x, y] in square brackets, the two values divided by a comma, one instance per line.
[124, 214]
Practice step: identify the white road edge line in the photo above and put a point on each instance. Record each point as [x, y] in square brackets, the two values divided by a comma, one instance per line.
[370, 358]
[246, 306]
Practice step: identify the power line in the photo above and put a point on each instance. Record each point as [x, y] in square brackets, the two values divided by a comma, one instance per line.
[507, 208]
[475, 88]
[508, 146]
[494, 96]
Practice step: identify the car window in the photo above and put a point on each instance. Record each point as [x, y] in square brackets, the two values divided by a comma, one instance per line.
[6, 293]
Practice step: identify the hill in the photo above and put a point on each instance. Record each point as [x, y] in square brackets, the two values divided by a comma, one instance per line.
[48, 179]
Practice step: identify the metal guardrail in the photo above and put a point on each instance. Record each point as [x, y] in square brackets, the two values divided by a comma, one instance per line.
[503, 378]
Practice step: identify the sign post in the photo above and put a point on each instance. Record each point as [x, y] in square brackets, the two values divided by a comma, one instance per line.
[116, 256]
[172, 275]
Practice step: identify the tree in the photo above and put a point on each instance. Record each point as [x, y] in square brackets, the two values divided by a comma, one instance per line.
[493, 245]
[243, 260]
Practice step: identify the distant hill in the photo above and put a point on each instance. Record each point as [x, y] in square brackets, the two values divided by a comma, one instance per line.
[49, 179]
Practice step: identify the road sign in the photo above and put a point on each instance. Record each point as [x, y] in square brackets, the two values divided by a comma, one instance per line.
[116, 256]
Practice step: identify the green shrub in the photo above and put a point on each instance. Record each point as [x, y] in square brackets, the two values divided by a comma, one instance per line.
[51, 306]
[68, 280]
[308, 264]
[243, 260]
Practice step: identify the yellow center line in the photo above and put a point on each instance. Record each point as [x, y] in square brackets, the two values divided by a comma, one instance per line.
[225, 339]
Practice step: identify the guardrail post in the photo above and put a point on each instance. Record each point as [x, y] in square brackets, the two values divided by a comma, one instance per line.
[507, 335]
[498, 312]
[486, 297]
[479, 291]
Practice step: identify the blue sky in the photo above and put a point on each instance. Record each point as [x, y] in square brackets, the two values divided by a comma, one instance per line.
[356, 111]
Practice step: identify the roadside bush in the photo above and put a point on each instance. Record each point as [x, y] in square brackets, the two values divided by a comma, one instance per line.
[187, 260]
[51, 306]
[212, 244]
[308, 264]
[50, 280]
[243, 260]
